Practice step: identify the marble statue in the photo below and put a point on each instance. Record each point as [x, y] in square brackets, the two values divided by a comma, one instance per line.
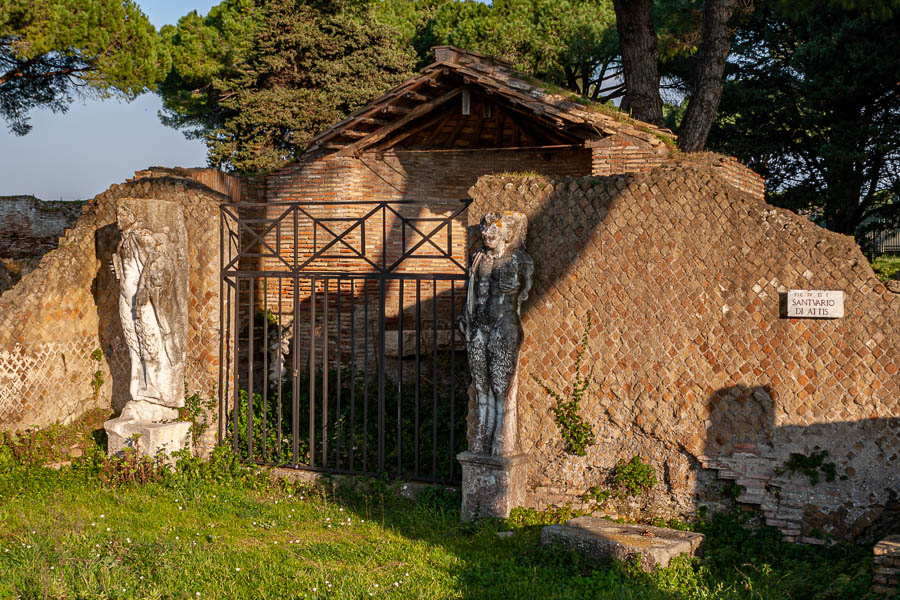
[499, 281]
[152, 268]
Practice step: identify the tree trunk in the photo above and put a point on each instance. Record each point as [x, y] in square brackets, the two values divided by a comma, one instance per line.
[637, 38]
[707, 89]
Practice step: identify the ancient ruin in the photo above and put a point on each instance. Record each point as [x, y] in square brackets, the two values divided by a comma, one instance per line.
[151, 268]
[699, 366]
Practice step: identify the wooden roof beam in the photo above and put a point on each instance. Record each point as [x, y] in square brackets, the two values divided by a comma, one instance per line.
[372, 121]
[393, 109]
[437, 123]
[546, 131]
[353, 134]
[416, 96]
[380, 134]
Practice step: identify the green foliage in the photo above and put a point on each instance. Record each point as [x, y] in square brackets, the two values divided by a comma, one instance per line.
[635, 476]
[596, 494]
[212, 527]
[54, 50]
[35, 447]
[732, 490]
[528, 517]
[810, 103]
[346, 434]
[809, 466]
[571, 43]
[576, 432]
[197, 411]
[257, 79]
[886, 267]
[97, 377]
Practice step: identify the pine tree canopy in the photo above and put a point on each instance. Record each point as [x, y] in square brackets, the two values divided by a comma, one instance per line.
[54, 50]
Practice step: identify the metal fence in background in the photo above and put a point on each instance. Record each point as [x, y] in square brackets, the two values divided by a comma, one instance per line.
[339, 337]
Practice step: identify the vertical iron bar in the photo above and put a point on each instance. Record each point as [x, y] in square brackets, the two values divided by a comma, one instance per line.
[400, 383]
[352, 371]
[295, 329]
[265, 378]
[295, 374]
[434, 379]
[365, 453]
[222, 345]
[383, 240]
[418, 368]
[236, 409]
[337, 412]
[312, 371]
[279, 375]
[381, 305]
[452, 376]
[250, 309]
[296, 210]
[325, 377]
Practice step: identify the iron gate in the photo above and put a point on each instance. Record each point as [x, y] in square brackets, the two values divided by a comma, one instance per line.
[339, 344]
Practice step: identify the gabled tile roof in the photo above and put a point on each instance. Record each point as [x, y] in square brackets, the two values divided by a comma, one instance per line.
[385, 120]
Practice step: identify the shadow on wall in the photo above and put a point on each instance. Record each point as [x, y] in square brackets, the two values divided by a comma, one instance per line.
[838, 478]
[740, 417]
[105, 289]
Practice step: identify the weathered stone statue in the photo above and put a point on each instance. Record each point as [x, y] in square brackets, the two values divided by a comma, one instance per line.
[152, 269]
[501, 277]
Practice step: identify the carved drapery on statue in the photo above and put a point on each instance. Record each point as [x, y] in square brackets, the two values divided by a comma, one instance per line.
[152, 268]
[499, 282]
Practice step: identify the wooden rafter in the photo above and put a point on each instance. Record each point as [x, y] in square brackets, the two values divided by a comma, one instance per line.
[550, 133]
[394, 140]
[415, 113]
[393, 109]
[529, 112]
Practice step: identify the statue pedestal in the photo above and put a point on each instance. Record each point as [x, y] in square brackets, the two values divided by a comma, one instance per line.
[147, 438]
[492, 485]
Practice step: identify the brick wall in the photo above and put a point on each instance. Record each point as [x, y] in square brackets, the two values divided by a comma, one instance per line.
[623, 154]
[695, 370]
[441, 178]
[53, 319]
[30, 227]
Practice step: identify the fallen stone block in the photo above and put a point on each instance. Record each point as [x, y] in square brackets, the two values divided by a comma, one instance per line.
[602, 539]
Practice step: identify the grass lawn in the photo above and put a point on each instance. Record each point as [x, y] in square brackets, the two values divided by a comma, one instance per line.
[887, 267]
[215, 530]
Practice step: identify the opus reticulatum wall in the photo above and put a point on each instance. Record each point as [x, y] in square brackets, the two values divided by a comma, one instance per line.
[58, 315]
[695, 368]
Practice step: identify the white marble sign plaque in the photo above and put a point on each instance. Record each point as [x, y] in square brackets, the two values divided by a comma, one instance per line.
[816, 304]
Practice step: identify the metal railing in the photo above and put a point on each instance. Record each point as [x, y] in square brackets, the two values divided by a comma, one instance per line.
[339, 353]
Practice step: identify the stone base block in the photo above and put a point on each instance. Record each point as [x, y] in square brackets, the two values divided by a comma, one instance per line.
[149, 439]
[601, 539]
[492, 485]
